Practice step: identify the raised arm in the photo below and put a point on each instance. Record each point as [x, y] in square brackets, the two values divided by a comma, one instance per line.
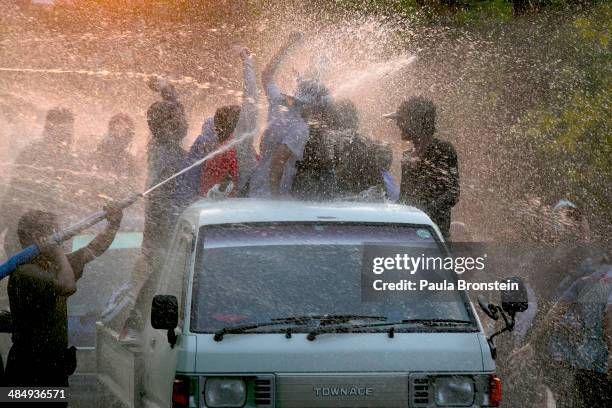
[270, 70]
[100, 243]
[247, 121]
[247, 125]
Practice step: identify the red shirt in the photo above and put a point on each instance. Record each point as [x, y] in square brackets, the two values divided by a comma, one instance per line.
[217, 169]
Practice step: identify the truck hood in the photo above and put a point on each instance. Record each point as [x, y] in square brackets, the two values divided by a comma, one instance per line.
[346, 352]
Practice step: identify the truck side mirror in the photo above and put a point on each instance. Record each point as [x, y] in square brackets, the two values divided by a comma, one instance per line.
[515, 301]
[488, 309]
[164, 312]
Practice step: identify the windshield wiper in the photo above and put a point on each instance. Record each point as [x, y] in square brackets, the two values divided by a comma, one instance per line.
[246, 327]
[328, 319]
[348, 328]
[299, 320]
[438, 322]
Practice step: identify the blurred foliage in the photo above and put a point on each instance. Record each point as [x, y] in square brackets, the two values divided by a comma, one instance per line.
[460, 11]
[572, 137]
[479, 11]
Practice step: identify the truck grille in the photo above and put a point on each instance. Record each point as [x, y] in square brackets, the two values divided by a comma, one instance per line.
[420, 391]
[264, 391]
[342, 390]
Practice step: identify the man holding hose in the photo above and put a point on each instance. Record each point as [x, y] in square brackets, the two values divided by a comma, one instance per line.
[38, 293]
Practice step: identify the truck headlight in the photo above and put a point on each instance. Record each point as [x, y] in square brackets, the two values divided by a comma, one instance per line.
[454, 391]
[224, 392]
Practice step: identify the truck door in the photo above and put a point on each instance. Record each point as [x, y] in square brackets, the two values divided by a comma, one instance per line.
[160, 358]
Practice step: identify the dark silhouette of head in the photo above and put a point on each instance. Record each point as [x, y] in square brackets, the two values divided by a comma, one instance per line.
[345, 115]
[416, 119]
[120, 132]
[225, 121]
[314, 101]
[167, 121]
[59, 126]
[35, 225]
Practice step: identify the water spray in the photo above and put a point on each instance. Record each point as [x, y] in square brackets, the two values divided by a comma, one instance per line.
[104, 73]
[28, 254]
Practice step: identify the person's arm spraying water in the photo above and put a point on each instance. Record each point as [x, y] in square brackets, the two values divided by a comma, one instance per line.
[100, 243]
[32, 251]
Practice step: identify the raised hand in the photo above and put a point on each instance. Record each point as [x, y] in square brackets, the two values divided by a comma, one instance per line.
[245, 53]
[114, 213]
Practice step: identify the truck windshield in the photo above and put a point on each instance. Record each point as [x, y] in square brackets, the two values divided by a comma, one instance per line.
[253, 273]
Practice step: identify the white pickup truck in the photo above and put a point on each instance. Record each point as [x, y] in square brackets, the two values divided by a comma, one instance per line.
[259, 305]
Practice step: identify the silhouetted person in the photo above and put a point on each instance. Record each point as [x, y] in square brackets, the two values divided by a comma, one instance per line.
[232, 124]
[117, 172]
[430, 174]
[38, 293]
[168, 125]
[357, 164]
[315, 177]
[285, 138]
[48, 176]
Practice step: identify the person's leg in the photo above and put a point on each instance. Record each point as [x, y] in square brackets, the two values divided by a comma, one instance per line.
[134, 325]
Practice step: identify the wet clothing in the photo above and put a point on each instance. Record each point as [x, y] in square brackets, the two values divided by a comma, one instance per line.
[240, 160]
[432, 183]
[40, 355]
[285, 126]
[161, 211]
[570, 287]
[315, 177]
[219, 169]
[188, 184]
[391, 186]
[578, 338]
[356, 166]
[40, 319]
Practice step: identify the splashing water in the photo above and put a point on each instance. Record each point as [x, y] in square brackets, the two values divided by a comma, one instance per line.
[209, 156]
[104, 73]
[346, 83]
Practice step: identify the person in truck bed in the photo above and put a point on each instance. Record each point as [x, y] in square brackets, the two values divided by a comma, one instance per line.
[430, 173]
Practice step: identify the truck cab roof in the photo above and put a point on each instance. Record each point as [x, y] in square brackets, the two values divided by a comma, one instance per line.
[248, 210]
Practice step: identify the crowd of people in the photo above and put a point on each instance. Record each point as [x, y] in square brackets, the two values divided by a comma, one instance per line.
[559, 350]
[311, 149]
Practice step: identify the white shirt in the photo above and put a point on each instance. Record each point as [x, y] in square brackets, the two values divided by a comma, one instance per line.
[285, 126]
